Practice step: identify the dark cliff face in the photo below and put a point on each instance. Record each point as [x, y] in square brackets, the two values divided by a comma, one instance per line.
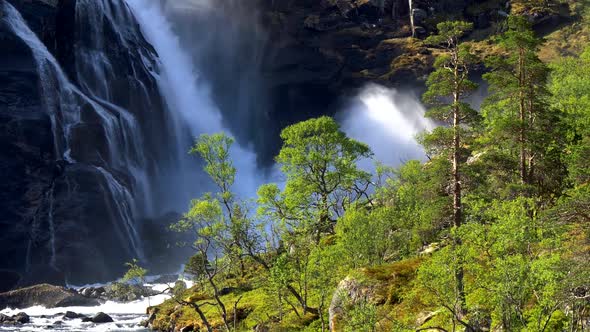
[61, 220]
[27, 158]
[298, 59]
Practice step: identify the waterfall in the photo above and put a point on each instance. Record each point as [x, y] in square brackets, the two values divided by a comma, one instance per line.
[180, 82]
[50, 219]
[125, 207]
[187, 95]
[63, 111]
[69, 107]
[125, 102]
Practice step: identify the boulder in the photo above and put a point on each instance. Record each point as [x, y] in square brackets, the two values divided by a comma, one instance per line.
[166, 279]
[45, 295]
[72, 315]
[21, 318]
[123, 292]
[349, 293]
[374, 286]
[101, 318]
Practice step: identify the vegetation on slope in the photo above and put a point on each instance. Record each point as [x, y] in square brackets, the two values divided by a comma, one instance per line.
[490, 234]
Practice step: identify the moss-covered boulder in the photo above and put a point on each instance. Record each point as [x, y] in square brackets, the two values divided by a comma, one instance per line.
[374, 295]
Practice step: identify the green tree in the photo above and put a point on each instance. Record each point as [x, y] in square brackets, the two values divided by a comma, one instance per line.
[322, 181]
[206, 222]
[570, 94]
[135, 273]
[448, 86]
[217, 221]
[325, 271]
[518, 120]
[517, 264]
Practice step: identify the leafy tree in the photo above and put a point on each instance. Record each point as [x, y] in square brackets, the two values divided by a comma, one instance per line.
[448, 86]
[325, 271]
[135, 273]
[322, 182]
[362, 317]
[366, 236]
[323, 179]
[206, 222]
[570, 94]
[218, 223]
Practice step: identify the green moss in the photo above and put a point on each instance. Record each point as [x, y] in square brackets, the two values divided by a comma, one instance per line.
[253, 310]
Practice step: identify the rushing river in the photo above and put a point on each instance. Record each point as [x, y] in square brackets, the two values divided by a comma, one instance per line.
[127, 316]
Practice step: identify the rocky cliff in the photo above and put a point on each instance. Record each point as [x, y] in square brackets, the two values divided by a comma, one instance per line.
[73, 154]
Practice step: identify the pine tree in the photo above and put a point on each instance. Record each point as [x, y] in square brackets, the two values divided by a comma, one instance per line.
[448, 87]
[518, 121]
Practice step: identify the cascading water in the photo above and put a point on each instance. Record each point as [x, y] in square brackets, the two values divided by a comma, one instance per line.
[63, 111]
[68, 108]
[50, 219]
[186, 94]
[111, 174]
[229, 32]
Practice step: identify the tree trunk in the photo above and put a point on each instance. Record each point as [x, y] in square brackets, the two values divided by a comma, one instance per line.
[290, 288]
[203, 317]
[219, 303]
[457, 193]
[522, 118]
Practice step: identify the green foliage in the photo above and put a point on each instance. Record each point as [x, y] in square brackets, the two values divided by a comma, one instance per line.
[570, 87]
[323, 179]
[520, 127]
[214, 149]
[135, 273]
[362, 318]
[477, 238]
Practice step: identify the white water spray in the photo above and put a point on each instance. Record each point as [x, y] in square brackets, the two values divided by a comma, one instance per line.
[388, 121]
[187, 95]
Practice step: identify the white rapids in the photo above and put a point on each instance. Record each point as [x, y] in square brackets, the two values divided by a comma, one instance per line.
[127, 316]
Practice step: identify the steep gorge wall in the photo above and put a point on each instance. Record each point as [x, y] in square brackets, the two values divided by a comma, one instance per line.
[69, 215]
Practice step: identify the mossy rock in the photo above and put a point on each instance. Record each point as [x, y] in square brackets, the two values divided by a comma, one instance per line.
[382, 287]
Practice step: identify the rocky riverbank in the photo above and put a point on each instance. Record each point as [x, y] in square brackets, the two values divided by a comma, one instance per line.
[114, 306]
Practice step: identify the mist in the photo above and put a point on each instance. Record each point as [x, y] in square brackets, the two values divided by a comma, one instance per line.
[388, 121]
[189, 97]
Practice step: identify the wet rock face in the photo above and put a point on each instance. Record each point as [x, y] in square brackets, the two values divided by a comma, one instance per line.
[18, 319]
[60, 220]
[101, 318]
[26, 148]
